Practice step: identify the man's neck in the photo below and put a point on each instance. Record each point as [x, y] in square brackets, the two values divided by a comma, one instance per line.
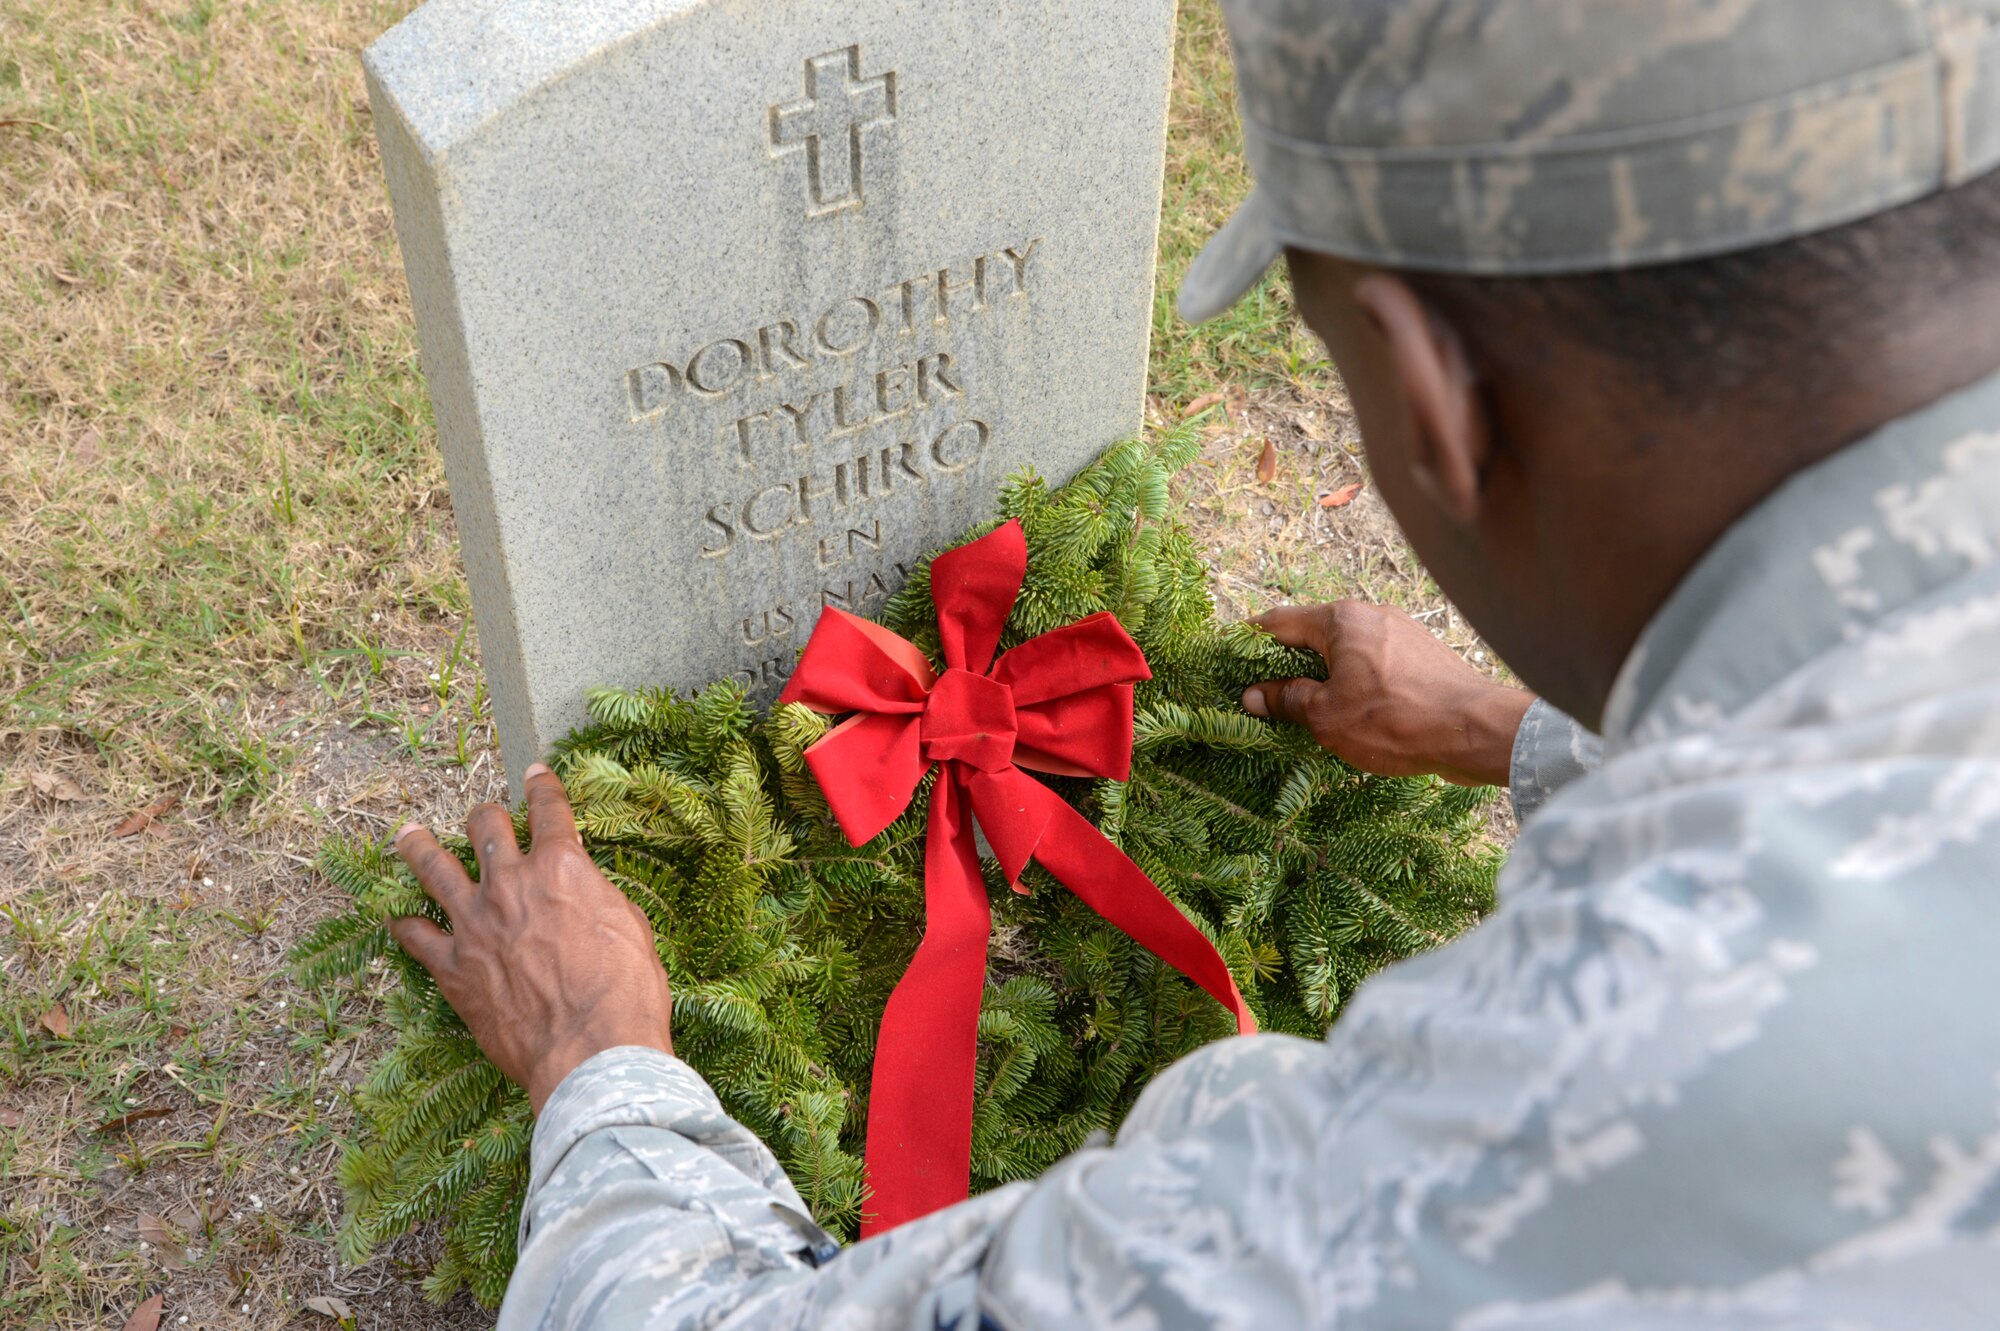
[1619, 532]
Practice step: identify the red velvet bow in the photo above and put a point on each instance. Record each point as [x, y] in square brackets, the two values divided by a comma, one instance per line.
[1058, 703]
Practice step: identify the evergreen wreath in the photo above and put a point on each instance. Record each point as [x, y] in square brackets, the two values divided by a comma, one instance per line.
[782, 942]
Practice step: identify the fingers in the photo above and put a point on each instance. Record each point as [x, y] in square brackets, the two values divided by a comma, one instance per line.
[1313, 627]
[430, 945]
[1288, 700]
[550, 821]
[442, 876]
[490, 829]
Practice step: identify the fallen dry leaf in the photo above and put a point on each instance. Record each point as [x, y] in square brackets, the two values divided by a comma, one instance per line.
[55, 785]
[160, 1234]
[124, 1121]
[143, 818]
[56, 1021]
[10, 1118]
[1342, 497]
[1200, 404]
[146, 1317]
[328, 1306]
[1267, 463]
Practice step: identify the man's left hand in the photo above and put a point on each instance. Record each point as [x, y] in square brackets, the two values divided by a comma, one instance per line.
[1395, 700]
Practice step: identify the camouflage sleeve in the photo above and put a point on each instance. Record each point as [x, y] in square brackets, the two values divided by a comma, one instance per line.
[1550, 751]
[640, 1184]
[649, 1206]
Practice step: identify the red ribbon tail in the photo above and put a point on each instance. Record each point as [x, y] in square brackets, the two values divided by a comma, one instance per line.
[1105, 879]
[919, 1156]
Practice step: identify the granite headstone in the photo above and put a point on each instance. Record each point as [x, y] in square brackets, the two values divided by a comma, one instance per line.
[731, 309]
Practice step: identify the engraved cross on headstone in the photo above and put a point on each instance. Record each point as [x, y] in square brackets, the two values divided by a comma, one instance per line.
[827, 122]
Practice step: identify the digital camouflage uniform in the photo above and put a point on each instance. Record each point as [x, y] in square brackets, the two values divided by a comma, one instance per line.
[1726, 1054]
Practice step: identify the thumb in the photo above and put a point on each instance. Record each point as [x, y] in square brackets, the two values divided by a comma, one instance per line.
[1288, 700]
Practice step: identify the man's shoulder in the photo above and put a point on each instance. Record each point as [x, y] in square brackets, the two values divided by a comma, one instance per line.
[1718, 1033]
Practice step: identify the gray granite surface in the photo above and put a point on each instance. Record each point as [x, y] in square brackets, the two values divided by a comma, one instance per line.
[732, 308]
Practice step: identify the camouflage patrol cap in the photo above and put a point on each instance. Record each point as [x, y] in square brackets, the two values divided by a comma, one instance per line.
[1554, 136]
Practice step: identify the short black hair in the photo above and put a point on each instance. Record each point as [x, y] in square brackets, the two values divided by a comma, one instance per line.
[1714, 326]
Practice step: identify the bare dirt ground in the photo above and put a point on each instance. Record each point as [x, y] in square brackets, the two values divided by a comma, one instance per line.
[1316, 531]
[233, 624]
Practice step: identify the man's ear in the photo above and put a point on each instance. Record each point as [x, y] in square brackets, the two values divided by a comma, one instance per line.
[1453, 435]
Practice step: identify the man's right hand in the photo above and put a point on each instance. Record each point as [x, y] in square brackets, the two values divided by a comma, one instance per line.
[1396, 701]
[547, 962]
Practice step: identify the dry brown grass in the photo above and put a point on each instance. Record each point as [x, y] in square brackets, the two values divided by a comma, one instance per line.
[227, 573]
[228, 576]
[1279, 542]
